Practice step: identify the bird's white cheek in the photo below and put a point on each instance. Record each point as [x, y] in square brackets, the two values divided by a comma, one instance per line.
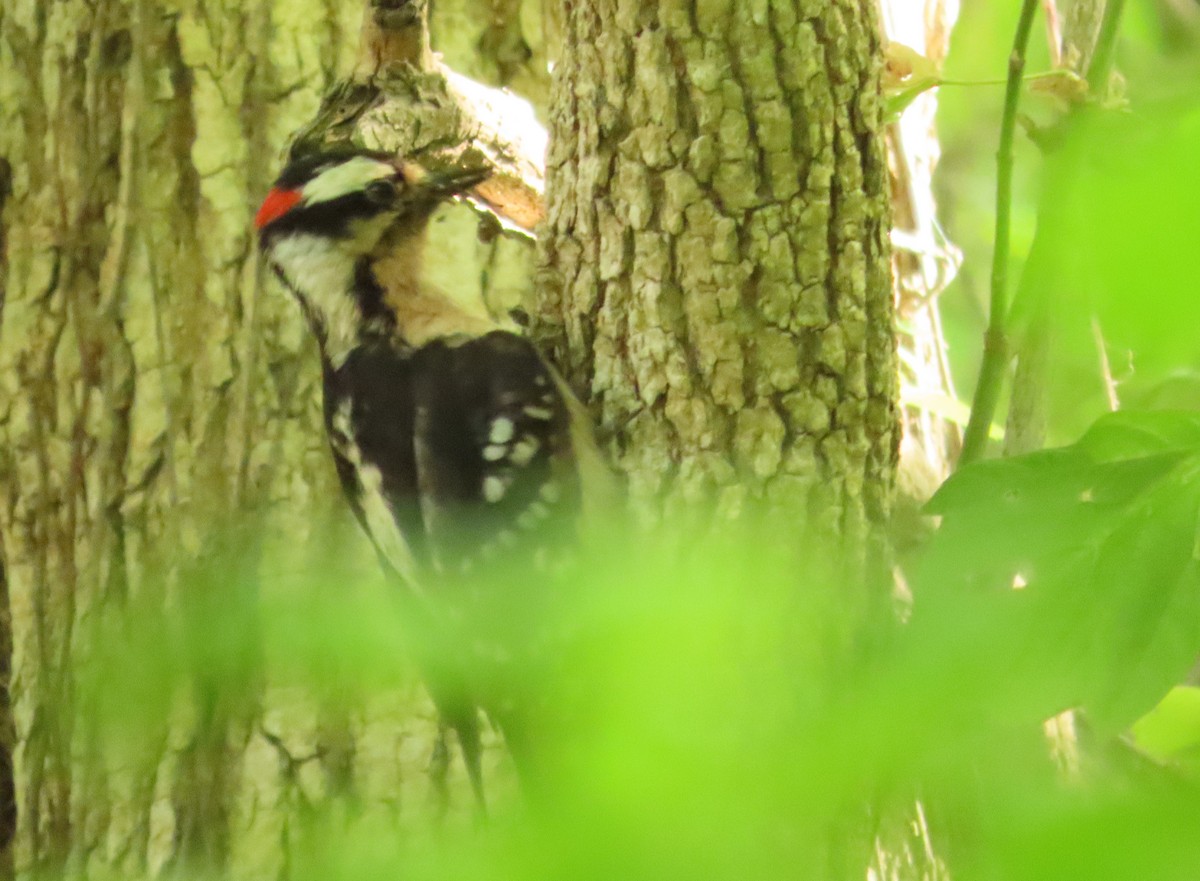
[322, 273]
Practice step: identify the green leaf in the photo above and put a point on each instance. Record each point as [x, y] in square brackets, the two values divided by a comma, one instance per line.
[1138, 625]
[1172, 729]
[1102, 535]
[1127, 435]
[897, 102]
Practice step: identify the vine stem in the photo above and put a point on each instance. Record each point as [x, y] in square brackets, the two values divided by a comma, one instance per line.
[1030, 78]
[996, 344]
[1102, 56]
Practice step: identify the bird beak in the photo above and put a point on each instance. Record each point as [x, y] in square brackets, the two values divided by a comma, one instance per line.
[441, 183]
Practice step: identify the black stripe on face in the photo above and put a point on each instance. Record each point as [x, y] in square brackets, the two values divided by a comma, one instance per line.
[300, 171]
[332, 219]
[335, 217]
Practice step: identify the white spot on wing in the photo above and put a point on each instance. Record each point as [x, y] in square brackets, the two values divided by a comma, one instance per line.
[502, 430]
[524, 450]
[529, 518]
[341, 420]
[494, 488]
[551, 492]
[426, 496]
[535, 412]
[494, 452]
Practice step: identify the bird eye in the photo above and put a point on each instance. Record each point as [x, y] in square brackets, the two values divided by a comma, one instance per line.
[380, 192]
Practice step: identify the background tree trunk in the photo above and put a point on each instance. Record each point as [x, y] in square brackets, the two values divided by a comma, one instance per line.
[507, 43]
[716, 256]
[148, 390]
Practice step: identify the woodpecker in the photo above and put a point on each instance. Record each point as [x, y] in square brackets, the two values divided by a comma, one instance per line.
[456, 444]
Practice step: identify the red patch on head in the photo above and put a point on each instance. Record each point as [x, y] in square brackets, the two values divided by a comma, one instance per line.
[278, 203]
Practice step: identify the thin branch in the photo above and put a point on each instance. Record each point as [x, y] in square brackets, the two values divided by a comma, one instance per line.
[1031, 318]
[1053, 32]
[1029, 78]
[995, 347]
[393, 32]
[1103, 55]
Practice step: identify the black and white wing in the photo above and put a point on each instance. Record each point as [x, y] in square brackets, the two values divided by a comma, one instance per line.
[495, 468]
[454, 455]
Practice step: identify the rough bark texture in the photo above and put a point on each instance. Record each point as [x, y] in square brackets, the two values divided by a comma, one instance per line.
[157, 404]
[716, 252]
[8, 734]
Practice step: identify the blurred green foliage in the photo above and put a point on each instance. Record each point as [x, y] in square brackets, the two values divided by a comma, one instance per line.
[1115, 195]
[714, 712]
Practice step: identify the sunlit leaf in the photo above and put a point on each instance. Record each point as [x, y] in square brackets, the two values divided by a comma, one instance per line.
[1172, 729]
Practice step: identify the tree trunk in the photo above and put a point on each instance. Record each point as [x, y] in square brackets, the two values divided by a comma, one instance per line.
[499, 42]
[716, 251]
[145, 380]
[717, 279]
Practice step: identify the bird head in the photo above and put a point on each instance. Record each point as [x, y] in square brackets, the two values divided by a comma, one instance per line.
[352, 198]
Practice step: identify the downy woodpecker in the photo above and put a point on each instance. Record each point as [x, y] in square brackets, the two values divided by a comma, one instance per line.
[453, 439]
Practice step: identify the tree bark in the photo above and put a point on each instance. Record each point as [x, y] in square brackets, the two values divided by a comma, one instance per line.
[8, 734]
[147, 384]
[716, 278]
[716, 253]
[8, 728]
